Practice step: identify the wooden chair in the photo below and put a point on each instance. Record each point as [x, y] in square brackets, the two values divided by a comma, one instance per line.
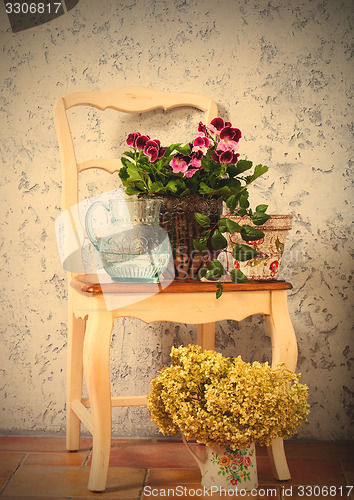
[90, 322]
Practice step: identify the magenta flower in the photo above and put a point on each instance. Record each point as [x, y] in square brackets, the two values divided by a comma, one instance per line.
[153, 150]
[131, 140]
[202, 128]
[141, 142]
[200, 143]
[226, 152]
[228, 157]
[230, 133]
[216, 125]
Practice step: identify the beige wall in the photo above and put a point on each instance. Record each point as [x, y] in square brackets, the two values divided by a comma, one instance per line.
[281, 72]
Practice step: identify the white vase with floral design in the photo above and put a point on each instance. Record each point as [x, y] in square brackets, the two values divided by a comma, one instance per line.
[226, 469]
[266, 264]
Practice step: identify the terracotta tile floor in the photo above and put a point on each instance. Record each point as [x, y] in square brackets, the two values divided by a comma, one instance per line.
[40, 467]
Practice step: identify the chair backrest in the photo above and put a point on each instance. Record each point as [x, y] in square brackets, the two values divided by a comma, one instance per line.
[125, 99]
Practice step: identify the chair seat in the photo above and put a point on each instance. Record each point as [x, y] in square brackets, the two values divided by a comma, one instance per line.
[89, 284]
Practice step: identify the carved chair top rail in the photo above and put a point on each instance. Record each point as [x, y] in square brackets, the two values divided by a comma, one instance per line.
[135, 99]
[127, 99]
[90, 285]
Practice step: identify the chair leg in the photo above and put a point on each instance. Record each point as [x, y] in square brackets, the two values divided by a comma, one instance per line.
[76, 332]
[206, 335]
[284, 349]
[96, 369]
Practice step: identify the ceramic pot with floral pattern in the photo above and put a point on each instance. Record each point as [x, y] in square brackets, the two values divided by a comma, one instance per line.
[225, 469]
[266, 264]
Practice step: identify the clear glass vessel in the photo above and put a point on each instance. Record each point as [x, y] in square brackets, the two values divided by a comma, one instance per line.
[133, 248]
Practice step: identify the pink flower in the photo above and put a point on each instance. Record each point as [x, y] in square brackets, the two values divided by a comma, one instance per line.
[179, 163]
[153, 150]
[190, 172]
[196, 159]
[131, 140]
[227, 145]
[187, 164]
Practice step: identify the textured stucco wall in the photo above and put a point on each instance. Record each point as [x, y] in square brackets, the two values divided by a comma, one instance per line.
[282, 72]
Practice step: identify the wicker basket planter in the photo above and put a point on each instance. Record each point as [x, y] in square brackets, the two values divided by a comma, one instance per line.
[177, 218]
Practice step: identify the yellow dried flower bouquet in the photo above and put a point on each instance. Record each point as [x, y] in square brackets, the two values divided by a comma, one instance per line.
[223, 401]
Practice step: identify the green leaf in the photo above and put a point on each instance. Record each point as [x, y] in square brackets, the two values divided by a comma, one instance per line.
[130, 154]
[218, 293]
[231, 202]
[184, 193]
[242, 212]
[259, 218]
[242, 166]
[222, 225]
[172, 148]
[258, 171]
[244, 252]
[261, 208]
[213, 275]
[200, 245]
[185, 150]
[249, 233]
[237, 276]
[203, 220]
[216, 264]
[202, 272]
[232, 226]
[214, 270]
[172, 186]
[123, 174]
[231, 170]
[132, 190]
[218, 241]
[133, 173]
[204, 189]
[244, 203]
[156, 187]
[126, 162]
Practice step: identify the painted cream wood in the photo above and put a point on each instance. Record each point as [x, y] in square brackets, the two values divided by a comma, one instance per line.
[90, 323]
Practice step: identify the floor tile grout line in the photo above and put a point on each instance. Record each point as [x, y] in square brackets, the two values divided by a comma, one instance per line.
[14, 472]
[140, 495]
[345, 482]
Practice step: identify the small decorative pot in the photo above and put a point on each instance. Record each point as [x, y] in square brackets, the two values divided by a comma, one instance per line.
[266, 265]
[225, 469]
